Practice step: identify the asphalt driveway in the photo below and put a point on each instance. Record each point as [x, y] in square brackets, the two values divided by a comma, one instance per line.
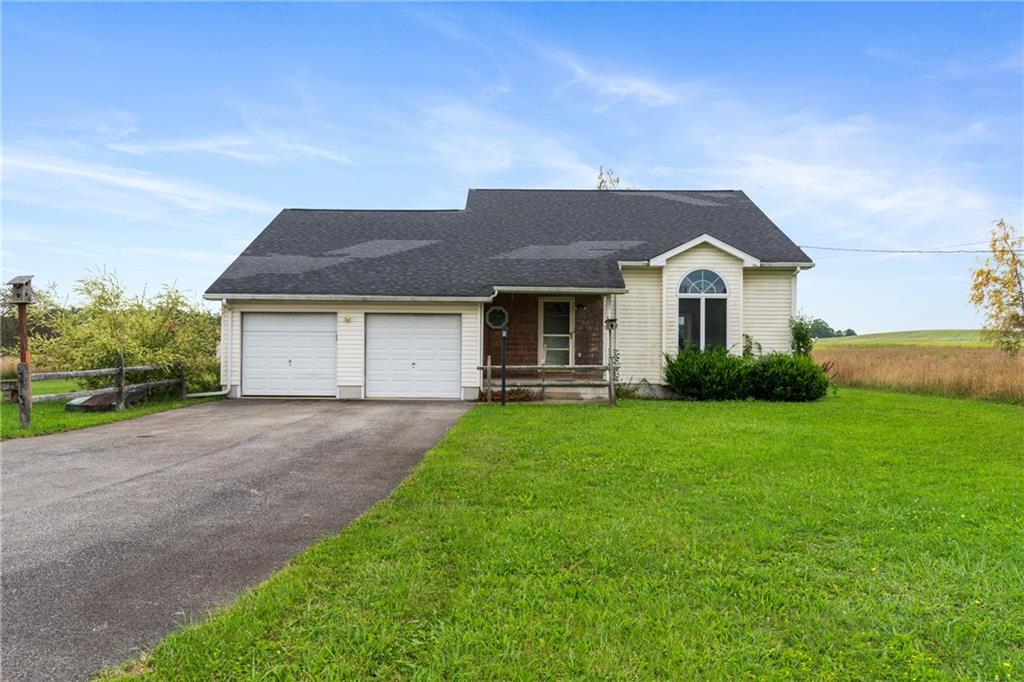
[114, 535]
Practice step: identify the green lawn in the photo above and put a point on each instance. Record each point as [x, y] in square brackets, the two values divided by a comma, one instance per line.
[870, 535]
[51, 417]
[966, 338]
[56, 386]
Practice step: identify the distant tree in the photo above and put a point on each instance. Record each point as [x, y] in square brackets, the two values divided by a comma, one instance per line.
[607, 179]
[849, 332]
[998, 288]
[820, 329]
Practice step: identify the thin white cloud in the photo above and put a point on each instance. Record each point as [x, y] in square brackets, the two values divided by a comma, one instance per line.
[260, 146]
[478, 143]
[233, 146]
[614, 87]
[25, 169]
[314, 152]
[956, 68]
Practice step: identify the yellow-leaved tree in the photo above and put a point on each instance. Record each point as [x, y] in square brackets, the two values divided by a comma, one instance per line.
[998, 288]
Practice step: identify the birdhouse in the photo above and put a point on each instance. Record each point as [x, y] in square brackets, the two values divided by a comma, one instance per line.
[21, 289]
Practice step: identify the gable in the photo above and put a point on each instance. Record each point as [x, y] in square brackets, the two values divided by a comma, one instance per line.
[709, 241]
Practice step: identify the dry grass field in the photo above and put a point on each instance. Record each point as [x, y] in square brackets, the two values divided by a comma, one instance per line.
[958, 372]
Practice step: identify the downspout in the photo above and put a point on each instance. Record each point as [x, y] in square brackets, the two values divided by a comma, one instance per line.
[209, 394]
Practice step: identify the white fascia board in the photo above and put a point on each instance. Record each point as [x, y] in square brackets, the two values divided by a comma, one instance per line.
[748, 260]
[340, 297]
[798, 266]
[558, 290]
[634, 264]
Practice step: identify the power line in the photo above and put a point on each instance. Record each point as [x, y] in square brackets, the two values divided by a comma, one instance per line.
[839, 248]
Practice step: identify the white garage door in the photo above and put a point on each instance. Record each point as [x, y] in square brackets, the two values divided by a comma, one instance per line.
[413, 356]
[289, 354]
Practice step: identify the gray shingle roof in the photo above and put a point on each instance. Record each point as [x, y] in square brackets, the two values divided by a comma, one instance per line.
[503, 238]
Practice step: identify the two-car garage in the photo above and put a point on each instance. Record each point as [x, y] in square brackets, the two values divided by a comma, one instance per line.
[402, 355]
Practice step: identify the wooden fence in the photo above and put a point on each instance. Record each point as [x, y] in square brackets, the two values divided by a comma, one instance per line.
[22, 389]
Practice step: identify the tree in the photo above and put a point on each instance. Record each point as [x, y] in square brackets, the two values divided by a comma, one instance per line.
[166, 329]
[998, 288]
[849, 332]
[820, 329]
[607, 179]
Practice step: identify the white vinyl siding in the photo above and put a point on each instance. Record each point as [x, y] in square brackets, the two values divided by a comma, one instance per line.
[726, 266]
[767, 306]
[351, 335]
[639, 331]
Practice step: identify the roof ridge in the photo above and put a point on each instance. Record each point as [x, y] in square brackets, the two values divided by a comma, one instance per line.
[379, 210]
[555, 189]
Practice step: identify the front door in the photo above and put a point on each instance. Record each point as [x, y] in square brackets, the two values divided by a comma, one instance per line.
[556, 327]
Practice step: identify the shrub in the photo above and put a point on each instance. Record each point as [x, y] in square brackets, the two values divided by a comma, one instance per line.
[166, 329]
[709, 375]
[795, 378]
[801, 331]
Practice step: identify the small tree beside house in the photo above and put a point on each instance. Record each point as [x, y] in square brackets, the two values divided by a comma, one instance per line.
[998, 288]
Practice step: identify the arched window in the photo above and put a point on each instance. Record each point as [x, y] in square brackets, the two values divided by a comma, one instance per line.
[703, 304]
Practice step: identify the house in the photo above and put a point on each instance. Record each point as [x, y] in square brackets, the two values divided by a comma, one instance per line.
[409, 303]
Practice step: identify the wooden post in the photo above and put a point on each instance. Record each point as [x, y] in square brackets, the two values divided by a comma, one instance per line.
[25, 358]
[119, 384]
[504, 362]
[611, 367]
[182, 393]
[24, 396]
[487, 381]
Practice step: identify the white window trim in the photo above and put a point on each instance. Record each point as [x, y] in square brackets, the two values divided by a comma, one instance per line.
[540, 328]
[703, 315]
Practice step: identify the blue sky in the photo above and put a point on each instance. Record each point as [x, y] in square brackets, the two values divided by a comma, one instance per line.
[157, 139]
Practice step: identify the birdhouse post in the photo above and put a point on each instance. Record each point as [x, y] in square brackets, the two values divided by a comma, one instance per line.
[21, 294]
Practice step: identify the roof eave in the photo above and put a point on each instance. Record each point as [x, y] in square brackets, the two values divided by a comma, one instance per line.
[215, 296]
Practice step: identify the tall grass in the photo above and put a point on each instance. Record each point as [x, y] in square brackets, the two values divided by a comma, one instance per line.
[958, 372]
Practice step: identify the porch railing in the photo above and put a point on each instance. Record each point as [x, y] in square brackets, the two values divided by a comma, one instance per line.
[548, 376]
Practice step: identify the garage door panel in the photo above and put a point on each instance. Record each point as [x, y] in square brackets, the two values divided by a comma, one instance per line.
[289, 354]
[413, 356]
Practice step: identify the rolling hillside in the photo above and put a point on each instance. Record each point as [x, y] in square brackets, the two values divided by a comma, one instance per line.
[963, 338]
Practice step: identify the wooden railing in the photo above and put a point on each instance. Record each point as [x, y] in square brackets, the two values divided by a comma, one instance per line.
[22, 391]
[548, 376]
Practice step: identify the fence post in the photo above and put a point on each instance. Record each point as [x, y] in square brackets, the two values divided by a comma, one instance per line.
[119, 384]
[504, 362]
[488, 380]
[182, 393]
[24, 396]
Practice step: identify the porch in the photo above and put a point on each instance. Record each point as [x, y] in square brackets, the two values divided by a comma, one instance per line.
[556, 345]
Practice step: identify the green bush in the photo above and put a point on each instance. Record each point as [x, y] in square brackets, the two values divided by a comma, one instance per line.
[166, 329]
[801, 335]
[715, 375]
[709, 375]
[792, 378]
